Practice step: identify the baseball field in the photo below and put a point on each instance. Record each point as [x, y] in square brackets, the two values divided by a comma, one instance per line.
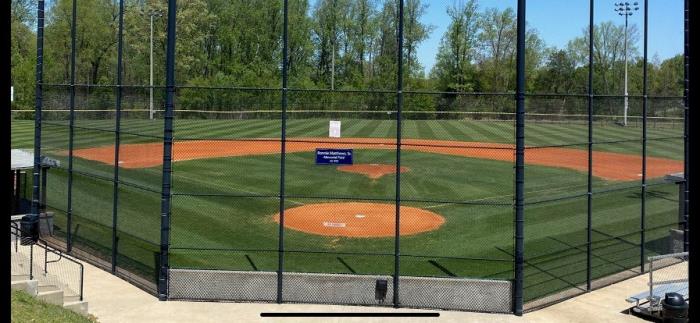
[456, 191]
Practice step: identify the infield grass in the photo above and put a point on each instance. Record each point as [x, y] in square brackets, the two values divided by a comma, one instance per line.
[222, 208]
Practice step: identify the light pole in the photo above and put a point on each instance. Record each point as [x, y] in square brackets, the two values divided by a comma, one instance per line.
[624, 9]
[151, 14]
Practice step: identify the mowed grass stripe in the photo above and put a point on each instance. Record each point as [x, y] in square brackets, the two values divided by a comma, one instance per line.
[144, 127]
[267, 129]
[350, 127]
[409, 129]
[490, 130]
[391, 129]
[542, 135]
[211, 129]
[216, 130]
[439, 131]
[424, 131]
[458, 130]
[306, 128]
[666, 150]
[366, 130]
[237, 129]
[616, 132]
[22, 133]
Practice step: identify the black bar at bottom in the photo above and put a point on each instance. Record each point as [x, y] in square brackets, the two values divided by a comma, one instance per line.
[305, 314]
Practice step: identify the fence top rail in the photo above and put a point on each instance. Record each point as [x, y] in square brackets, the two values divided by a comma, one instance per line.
[672, 255]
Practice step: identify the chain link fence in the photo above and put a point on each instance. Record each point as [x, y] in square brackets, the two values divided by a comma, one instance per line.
[201, 192]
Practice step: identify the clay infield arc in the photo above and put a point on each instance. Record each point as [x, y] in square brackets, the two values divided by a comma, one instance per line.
[606, 165]
[373, 171]
[358, 220]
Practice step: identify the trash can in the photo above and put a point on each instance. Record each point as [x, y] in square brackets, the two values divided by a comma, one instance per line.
[29, 230]
[674, 308]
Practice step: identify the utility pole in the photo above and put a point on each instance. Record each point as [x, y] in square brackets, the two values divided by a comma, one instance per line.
[624, 9]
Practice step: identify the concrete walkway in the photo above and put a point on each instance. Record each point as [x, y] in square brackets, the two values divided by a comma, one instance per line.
[114, 300]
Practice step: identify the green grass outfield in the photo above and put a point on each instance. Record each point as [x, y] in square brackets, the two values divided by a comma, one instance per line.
[222, 208]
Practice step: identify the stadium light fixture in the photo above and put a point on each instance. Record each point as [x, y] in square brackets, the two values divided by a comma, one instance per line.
[626, 9]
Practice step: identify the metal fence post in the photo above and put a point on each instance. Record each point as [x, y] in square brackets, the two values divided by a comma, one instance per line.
[399, 108]
[31, 249]
[117, 128]
[589, 247]
[167, 153]
[69, 205]
[37, 113]
[519, 160]
[644, 136]
[283, 141]
[686, 115]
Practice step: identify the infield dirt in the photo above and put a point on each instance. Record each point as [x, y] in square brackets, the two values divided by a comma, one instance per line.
[358, 220]
[607, 165]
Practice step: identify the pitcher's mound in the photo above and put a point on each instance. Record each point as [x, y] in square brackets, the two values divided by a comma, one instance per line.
[359, 220]
[372, 171]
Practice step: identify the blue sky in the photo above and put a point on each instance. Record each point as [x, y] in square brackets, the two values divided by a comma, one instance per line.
[558, 21]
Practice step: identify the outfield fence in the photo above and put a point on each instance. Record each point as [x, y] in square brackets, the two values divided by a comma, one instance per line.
[491, 202]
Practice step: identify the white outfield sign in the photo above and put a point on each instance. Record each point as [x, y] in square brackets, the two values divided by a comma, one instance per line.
[334, 129]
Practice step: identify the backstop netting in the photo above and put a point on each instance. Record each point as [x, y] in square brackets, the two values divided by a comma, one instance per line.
[264, 187]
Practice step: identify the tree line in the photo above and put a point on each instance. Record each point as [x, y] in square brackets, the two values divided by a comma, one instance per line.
[333, 44]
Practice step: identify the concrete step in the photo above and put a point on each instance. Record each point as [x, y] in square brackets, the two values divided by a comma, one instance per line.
[19, 277]
[29, 286]
[51, 295]
[70, 299]
[80, 307]
[48, 288]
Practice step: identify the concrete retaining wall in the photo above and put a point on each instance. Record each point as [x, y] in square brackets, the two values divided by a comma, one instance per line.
[419, 292]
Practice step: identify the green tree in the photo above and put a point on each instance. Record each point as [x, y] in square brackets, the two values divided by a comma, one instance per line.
[608, 54]
[454, 69]
[23, 53]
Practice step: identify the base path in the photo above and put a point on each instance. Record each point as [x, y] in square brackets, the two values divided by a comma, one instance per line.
[358, 220]
[373, 171]
[606, 165]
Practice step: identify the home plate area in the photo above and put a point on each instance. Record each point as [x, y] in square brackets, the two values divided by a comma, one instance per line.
[359, 220]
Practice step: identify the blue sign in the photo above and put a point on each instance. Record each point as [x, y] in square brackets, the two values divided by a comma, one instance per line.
[333, 156]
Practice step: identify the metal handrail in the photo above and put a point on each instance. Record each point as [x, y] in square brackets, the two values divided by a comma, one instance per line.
[47, 249]
[652, 301]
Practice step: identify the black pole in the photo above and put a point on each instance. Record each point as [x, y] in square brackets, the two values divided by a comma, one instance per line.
[399, 108]
[283, 155]
[686, 137]
[117, 128]
[34, 218]
[167, 153]
[44, 179]
[71, 124]
[589, 237]
[686, 141]
[686, 130]
[17, 188]
[519, 160]
[644, 137]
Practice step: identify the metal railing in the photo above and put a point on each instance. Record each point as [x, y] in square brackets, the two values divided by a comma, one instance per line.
[64, 271]
[666, 274]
